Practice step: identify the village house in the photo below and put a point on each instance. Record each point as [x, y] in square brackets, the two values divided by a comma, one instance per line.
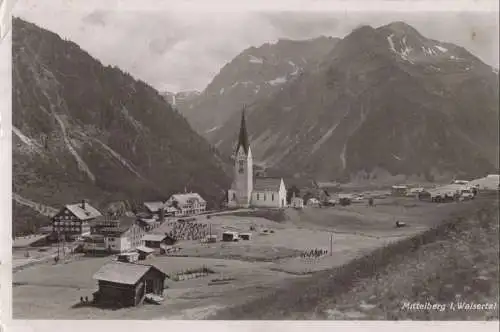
[144, 252]
[187, 204]
[400, 190]
[115, 236]
[247, 191]
[127, 284]
[156, 241]
[161, 209]
[148, 224]
[73, 220]
[297, 202]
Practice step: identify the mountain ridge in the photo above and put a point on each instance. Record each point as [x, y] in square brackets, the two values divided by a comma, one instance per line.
[374, 81]
[85, 131]
[253, 74]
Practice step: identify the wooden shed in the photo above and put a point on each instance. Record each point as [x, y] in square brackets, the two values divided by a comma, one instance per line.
[144, 252]
[230, 236]
[246, 236]
[156, 240]
[127, 284]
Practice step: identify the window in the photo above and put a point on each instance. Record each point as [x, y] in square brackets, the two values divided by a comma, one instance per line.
[241, 166]
[234, 196]
[257, 196]
[272, 197]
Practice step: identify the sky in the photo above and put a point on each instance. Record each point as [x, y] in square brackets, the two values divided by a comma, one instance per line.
[176, 46]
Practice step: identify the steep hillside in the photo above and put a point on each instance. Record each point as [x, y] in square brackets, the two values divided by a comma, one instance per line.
[82, 130]
[254, 74]
[385, 100]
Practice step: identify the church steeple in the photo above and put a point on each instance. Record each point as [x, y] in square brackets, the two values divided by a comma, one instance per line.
[243, 137]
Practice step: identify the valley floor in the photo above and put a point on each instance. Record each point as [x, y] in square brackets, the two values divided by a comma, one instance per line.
[270, 279]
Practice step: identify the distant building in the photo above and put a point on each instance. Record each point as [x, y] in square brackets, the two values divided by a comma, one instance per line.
[313, 202]
[74, 220]
[144, 252]
[187, 204]
[127, 284]
[116, 236]
[246, 190]
[148, 224]
[155, 209]
[399, 190]
[156, 241]
[297, 202]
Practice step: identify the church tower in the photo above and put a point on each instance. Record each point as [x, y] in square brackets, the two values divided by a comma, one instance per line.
[240, 193]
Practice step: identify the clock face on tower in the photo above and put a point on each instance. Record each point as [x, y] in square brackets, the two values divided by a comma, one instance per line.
[241, 166]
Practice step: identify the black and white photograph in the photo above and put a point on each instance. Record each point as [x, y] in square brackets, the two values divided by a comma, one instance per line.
[265, 163]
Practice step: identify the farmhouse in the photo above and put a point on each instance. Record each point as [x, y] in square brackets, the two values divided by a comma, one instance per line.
[249, 191]
[153, 208]
[127, 284]
[148, 223]
[144, 252]
[157, 240]
[297, 202]
[187, 204]
[73, 220]
[312, 202]
[116, 235]
[159, 209]
[399, 190]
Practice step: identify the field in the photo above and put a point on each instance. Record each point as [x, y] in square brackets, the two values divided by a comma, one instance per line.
[268, 264]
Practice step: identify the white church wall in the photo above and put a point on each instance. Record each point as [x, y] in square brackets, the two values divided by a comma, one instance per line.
[268, 199]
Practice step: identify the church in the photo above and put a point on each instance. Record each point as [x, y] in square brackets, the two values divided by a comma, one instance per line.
[247, 190]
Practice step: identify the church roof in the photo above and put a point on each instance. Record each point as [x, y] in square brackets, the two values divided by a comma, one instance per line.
[243, 136]
[267, 184]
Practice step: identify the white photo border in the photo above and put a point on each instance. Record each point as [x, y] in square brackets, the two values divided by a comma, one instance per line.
[6, 322]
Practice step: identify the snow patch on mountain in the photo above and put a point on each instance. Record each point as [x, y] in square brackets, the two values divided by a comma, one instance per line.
[406, 50]
[278, 80]
[44, 210]
[324, 138]
[342, 156]
[391, 43]
[396, 157]
[254, 59]
[118, 157]
[26, 140]
[441, 48]
[212, 129]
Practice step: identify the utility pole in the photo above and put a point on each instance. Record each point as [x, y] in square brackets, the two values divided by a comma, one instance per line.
[331, 243]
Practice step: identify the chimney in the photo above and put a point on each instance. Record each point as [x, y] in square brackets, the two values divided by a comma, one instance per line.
[83, 204]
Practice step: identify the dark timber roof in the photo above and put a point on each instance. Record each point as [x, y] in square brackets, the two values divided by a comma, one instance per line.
[267, 184]
[243, 137]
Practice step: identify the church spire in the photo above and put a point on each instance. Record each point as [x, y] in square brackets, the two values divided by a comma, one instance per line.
[243, 137]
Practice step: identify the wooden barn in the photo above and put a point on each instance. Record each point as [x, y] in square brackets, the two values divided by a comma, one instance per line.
[127, 284]
[156, 240]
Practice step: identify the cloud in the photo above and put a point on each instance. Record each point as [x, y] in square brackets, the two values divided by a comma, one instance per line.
[184, 49]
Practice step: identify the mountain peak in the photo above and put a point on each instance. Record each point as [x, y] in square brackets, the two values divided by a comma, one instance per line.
[400, 27]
